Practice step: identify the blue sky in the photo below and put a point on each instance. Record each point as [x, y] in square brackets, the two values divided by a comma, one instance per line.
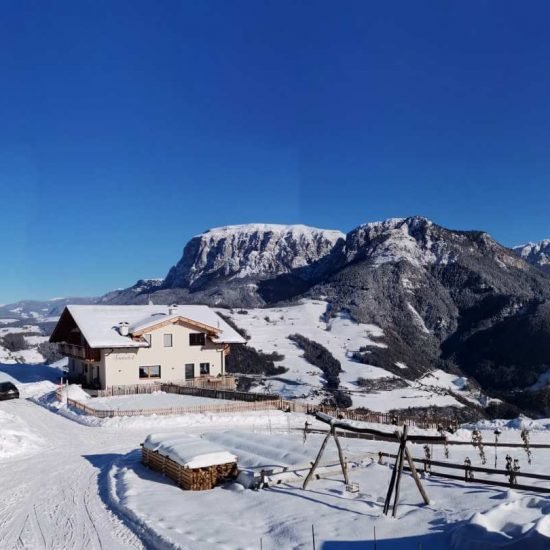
[127, 127]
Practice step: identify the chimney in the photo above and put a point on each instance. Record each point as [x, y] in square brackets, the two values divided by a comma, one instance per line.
[123, 328]
[172, 309]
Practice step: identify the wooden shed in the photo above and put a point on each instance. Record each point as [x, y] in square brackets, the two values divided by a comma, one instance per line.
[193, 463]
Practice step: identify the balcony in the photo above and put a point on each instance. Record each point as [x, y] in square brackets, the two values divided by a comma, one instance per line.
[83, 353]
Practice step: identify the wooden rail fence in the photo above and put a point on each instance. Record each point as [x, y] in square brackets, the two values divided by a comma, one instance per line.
[246, 402]
[464, 477]
[487, 445]
[208, 383]
[240, 406]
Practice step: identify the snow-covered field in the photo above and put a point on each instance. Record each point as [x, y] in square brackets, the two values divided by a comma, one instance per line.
[80, 484]
[27, 356]
[269, 330]
[459, 516]
[16, 436]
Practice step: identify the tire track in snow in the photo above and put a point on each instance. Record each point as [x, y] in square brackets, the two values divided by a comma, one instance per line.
[52, 500]
[39, 526]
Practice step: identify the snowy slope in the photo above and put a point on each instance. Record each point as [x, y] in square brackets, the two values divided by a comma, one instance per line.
[269, 329]
[29, 355]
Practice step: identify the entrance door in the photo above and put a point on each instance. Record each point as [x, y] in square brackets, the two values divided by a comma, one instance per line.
[189, 370]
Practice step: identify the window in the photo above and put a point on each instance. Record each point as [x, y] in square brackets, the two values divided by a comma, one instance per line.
[149, 372]
[205, 368]
[197, 339]
[148, 338]
[167, 340]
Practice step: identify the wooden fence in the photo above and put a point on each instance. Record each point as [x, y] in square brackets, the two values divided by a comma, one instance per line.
[239, 406]
[226, 383]
[230, 395]
[246, 400]
[470, 469]
[375, 417]
[488, 445]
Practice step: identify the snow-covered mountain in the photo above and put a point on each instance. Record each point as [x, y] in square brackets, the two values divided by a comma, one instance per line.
[447, 299]
[537, 254]
[419, 242]
[254, 251]
[39, 311]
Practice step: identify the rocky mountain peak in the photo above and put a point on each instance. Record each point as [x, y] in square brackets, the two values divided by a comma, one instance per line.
[411, 239]
[255, 251]
[422, 243]
[537, 254]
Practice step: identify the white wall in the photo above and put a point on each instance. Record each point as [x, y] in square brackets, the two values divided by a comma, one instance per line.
[121, 366]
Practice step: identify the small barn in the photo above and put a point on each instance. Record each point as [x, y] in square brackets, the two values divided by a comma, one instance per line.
[193, 463]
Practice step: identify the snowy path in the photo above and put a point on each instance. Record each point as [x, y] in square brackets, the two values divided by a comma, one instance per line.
[52, 499]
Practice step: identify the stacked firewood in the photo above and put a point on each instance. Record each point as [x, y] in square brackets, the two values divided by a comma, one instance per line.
[195, 479]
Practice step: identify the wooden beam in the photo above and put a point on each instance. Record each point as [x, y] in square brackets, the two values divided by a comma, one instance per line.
[346, 425]
[341, 456]
[402, 447]
[317, 460]
[474, 468]
[391, 486]
[415, 475]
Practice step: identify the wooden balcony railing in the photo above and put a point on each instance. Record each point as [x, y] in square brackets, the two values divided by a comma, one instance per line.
[79, 352]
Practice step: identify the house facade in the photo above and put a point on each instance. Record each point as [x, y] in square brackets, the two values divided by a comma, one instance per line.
[126, 345]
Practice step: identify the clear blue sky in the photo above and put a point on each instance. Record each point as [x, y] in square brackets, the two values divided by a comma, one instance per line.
[126, 127]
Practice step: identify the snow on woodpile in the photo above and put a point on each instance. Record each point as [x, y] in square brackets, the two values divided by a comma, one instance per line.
[190, 452]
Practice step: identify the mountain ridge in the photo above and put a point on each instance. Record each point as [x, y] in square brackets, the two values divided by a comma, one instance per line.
[444, 298]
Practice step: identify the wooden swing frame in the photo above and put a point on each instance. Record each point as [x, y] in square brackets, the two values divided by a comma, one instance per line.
[402, 437]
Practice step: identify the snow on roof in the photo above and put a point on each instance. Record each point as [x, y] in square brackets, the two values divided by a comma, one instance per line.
[99, 323]
[187, 450]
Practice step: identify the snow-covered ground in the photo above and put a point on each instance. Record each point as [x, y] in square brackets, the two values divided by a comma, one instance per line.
[16, 436]
[459, 516]
[7, 321]
[27, 356]
[19, 330]
[269, 330]
[68, 484]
